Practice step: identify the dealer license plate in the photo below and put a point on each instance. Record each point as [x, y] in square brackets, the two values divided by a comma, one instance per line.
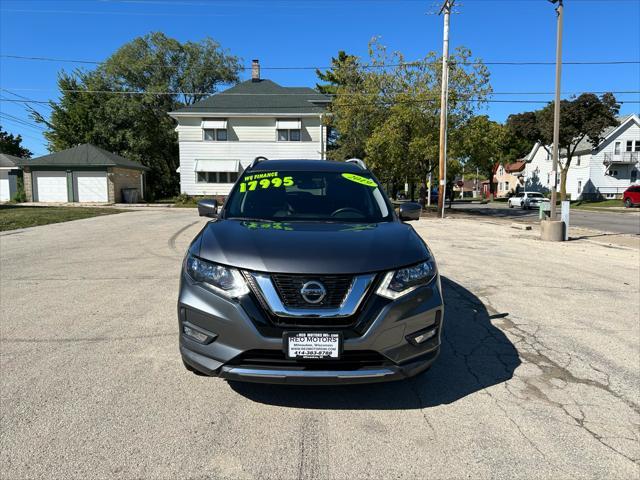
[313, 345]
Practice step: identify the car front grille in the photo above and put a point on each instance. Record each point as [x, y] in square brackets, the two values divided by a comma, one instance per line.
[289, 286]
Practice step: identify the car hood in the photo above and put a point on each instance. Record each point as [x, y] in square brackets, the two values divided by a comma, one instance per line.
[319, 248]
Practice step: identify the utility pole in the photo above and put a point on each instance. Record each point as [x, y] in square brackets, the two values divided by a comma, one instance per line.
[444, 97]
[556, 112]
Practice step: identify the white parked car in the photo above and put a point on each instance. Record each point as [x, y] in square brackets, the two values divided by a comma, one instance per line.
[526, 200]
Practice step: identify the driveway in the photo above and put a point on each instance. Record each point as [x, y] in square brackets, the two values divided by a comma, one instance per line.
[538, 376]
[611, 222]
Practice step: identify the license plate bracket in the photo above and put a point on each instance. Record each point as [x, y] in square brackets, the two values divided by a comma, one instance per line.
[312, 345]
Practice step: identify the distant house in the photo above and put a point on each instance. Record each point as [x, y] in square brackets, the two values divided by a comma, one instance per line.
[222, 134]
[84, 173]
[601, 172]
[509, 178]
[8, 176]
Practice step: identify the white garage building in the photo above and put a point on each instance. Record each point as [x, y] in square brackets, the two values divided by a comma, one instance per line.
[84, 173]
[8, 176]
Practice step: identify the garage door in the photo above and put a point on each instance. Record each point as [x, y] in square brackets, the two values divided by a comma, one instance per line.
[90, 186]
[4, 186]
[51, 186]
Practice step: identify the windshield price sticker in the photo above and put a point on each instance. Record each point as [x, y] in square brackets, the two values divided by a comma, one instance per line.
[263, 181]
[358, 179]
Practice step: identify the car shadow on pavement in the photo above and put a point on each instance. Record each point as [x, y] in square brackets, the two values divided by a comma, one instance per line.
[475, 354]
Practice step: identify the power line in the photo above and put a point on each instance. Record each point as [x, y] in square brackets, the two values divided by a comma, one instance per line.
[346, 94]
[25, 122]
[395, 102]
[20, 124]
[365, 66]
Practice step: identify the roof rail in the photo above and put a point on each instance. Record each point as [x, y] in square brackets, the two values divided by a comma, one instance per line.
[257, 160]
[358, 162]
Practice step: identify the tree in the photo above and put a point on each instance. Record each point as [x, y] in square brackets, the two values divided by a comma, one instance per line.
[585, 117]
[344, 71]
[387, 111]
[12, 145]
[122, 105]
[483, 143]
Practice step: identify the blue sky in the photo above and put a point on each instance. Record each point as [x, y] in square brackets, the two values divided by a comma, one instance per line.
[308, 33]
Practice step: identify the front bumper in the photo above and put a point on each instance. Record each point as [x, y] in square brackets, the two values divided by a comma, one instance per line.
[243, 344]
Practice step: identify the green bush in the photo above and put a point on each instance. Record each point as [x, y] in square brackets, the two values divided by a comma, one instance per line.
[20, 196]
[184, 199]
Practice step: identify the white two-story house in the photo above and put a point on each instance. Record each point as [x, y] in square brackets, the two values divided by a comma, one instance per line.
[602, 172]
[222, 134]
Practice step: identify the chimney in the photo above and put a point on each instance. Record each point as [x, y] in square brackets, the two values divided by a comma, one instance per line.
[255, 70]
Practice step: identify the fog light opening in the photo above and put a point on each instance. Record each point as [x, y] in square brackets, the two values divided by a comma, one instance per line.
[195, 334]
[423, 335]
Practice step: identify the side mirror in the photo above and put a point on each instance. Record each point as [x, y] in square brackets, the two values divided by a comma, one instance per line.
[409, 211]
[208, 208]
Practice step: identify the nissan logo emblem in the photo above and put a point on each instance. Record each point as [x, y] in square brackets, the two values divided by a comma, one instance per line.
[313, 292]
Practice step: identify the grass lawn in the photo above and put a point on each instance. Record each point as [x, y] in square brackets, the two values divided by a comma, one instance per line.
[16, 216]
[586, 205]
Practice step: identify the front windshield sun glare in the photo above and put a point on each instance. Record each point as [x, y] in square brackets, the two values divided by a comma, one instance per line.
[304, 196]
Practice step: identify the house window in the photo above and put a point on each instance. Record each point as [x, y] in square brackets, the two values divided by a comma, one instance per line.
[217, 177]
[548, 155]
[578, 158]
[637, 146]
[616, 149]
[629, 146]
[579, 186]
[506, 185]
[215, 134]
[634, 175]
[289, 135]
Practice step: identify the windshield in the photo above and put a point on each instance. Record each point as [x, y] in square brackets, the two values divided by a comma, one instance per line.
[308, 196]
[535, 195]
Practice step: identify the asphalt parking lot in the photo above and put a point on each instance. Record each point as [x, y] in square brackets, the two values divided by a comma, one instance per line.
[538, 377]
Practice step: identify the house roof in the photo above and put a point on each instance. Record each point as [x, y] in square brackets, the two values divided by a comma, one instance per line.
[85, 155]
[9, 161]
[585, 146]
[517, 166]
[260, 96]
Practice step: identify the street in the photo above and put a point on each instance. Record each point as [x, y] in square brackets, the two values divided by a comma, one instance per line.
[538, 375]
[612, 222]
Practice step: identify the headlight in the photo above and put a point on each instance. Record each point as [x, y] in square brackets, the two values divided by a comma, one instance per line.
[224, 280]
[400, 282]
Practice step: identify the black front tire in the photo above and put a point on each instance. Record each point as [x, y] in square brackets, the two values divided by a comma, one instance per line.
[627, 203]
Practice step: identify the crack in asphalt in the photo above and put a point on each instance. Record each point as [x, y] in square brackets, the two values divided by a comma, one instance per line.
[172, 241]
[555, 372]
[83, 339]
[552, 369]
[412, 386]
[310, 466]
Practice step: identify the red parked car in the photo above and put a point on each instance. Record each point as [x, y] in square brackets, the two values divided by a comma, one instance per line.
[631, 196]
